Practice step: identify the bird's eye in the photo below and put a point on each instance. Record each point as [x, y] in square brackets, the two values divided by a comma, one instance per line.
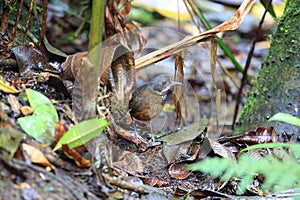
[164, 82]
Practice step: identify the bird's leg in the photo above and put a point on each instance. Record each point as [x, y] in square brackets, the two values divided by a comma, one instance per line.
[151, 133]
[135, 131]
[140, 140]
[152, 142]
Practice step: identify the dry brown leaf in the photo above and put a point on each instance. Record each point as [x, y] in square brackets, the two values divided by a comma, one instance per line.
[26, 110]
[153, 181]
[178, 172]
[221, 150]
[74, 155]
[209, 145]
[186, 134]
[231, 24]
[76, 61]
[36, 156]
[177, 109]
[178, 91]
[60, 130]
[213, 60]
[128, 162]
[236, 20]
[115, 25]
[14, 103]
[260, 135]
[7, 88]
[194, 148]
[106, 57]
[123, 73]
[72, 64]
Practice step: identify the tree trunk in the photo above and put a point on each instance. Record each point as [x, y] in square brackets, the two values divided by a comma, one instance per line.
[277, 87]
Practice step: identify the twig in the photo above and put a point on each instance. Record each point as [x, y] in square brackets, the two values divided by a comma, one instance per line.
[28, 20]
[125, 185]
[17, 20]
[29, 34]
[44, 18]
[4, 20]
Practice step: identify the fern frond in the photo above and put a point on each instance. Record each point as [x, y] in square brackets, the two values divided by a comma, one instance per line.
[278, 175]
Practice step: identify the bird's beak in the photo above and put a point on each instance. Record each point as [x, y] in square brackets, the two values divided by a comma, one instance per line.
[175, 83]
[171, 85]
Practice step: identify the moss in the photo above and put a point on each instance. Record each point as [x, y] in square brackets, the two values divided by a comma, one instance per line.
[279, 76]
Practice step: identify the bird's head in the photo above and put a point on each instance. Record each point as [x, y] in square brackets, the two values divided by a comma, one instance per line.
[161, 84]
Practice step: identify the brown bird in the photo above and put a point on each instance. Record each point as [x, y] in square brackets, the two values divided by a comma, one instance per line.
[148, 100]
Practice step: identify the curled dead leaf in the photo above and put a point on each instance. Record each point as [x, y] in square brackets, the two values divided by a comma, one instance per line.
[72, 64]
[60, 130]
[231, 24]
[179, 91]
[178, 172]
[209, 145]
[74, 155]
[36, 156]
[26, 110]
[14, 103]
[116, 25]
[123, 73]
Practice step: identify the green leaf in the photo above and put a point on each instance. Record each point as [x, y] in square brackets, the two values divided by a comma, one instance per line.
[214, 166]
[271, 9]
[294, 147]
[287, 118]
[37, 128]
[82, 133]
[279, 175]
[40, 125]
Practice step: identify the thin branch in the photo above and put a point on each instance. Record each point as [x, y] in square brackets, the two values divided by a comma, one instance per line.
[28, 20]
[4, 20]
[44, 18]
[14, 31]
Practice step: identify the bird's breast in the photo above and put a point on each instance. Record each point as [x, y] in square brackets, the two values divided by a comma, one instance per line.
[146, 105]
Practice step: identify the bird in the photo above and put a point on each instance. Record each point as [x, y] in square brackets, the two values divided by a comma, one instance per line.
[148, 100]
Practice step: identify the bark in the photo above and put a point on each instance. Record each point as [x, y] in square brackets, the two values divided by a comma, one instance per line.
[277, 87]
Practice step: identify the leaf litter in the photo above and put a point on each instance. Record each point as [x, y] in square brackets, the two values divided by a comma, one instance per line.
[161, 165]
